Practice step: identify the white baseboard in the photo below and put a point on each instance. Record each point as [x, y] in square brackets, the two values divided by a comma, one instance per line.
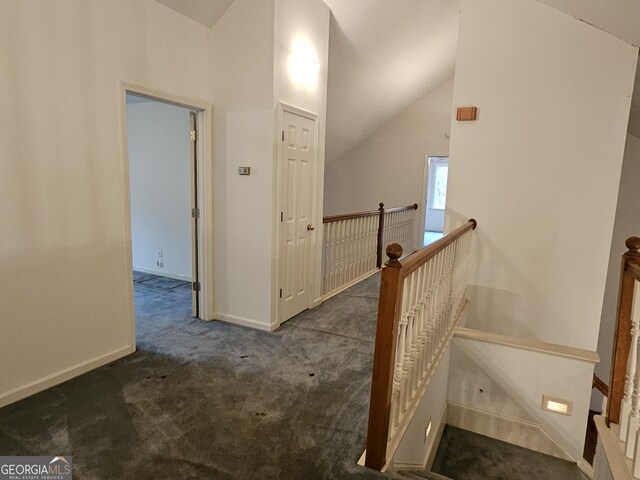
[349, 285]
[430, 453]
[585, 467]
[62, 376]
[245, 322]
[175, 276]
[511, 430]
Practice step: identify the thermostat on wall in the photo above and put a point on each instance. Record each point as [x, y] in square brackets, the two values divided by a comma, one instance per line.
[244, 170]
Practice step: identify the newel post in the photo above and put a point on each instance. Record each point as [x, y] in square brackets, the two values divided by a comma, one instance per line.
[622, 366]
[380, 235]
[384, 359]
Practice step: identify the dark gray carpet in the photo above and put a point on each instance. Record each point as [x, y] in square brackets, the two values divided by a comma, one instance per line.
[209, 400]
[157, 281]
[464, 455]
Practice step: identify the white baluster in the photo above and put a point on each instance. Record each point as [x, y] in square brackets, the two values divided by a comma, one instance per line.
[635, 466]
[625, 409]
[633, 420]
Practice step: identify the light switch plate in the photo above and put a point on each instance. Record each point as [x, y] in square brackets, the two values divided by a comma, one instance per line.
[244, 170]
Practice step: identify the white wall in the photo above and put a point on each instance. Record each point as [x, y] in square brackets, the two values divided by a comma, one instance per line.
[540, 167]
[65, 285]
[242, 59]
[303, 23]
[627, 224]
[160, 184]
[250, 50]
[389, 165]
[509, 382]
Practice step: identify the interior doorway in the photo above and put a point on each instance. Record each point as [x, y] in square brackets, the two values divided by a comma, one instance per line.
[435, 198]
[163, 186]
[297, 169]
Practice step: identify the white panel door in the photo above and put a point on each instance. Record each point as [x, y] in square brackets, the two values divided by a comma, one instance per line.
[297, 184]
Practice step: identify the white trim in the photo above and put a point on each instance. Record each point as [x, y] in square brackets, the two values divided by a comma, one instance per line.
[160, 273]
[62, 376]
[585, 468]
[619, 465]
[315, 280]
[519, 432]
[431, 455]
[350, 284]
[204, 120]
[244, 322]
[528, 344]
[425, 191]
[430, 452]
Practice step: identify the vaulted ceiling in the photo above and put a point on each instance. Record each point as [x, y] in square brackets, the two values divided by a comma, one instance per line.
[385, 55]
[206, 12]
[618, 17]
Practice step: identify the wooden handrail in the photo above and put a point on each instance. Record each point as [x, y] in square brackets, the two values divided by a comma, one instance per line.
[370, 213]
[622, 340]
[401, 209]
[633, 268]
[389, 311]
[599, 385]
[349, 216]
[421, 256]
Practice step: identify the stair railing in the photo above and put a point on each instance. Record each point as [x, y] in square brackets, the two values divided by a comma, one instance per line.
[352, 244]
[422, 298]
[623, 405]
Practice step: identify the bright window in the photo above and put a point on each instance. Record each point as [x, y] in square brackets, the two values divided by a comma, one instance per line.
[439, 198]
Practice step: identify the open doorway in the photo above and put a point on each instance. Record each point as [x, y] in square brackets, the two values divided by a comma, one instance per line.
[163, 183]
[435, 198]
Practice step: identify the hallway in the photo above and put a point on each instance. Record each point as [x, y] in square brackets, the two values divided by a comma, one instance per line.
[210, 400]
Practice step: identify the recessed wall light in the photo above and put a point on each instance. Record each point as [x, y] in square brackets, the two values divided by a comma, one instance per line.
[557, 405]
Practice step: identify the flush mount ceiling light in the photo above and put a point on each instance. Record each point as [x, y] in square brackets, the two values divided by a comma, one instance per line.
[557, 405]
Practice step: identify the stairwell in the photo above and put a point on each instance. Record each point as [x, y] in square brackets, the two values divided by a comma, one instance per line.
[464, 455]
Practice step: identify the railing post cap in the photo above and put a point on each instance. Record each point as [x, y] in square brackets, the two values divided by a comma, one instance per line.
[394, 252]
[633, 244]
[381, 205]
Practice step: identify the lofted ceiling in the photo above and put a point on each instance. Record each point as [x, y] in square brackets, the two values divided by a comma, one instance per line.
[206, 12]
[618, 17]
[386, 55]
[383, 57]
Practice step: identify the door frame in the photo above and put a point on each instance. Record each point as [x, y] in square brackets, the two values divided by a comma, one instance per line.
[425, 192]
[316, 215]
[204, 163]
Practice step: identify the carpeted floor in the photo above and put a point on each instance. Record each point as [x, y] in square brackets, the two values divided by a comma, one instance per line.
[463, 455]
[209, 400]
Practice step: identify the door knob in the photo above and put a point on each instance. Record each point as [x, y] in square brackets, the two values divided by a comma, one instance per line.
[310, 227]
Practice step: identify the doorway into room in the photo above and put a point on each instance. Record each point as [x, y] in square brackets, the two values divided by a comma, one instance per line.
[435, 201]
[163, 184]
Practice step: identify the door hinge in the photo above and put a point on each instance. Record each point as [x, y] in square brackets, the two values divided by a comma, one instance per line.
[195, 212]
[280, 293]
[281, 217]
[195, 286]
[193, 135]
[283, 135]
